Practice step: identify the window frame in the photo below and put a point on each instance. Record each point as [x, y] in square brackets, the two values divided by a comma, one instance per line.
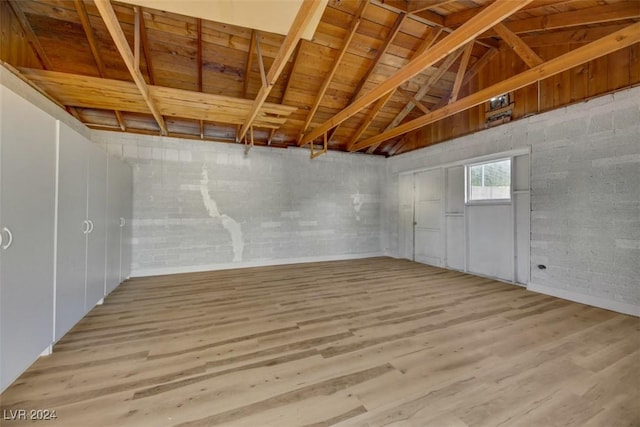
[467, 181]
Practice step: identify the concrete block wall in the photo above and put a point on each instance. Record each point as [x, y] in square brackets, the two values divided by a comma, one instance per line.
[202, 205]
[585, 195]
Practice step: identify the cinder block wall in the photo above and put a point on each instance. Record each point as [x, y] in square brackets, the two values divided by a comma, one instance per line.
[201, 205]
[585, 195]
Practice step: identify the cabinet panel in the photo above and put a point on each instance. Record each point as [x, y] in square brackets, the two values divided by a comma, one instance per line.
[97, 213]
[114, 232]
[127, 213]
[71, 241]
[27, 181]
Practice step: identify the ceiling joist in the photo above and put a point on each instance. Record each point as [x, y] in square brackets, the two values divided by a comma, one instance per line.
[355, 23]
[490, 16]
[608, 44]
[113, 26]
[519, 47]
[302, 20]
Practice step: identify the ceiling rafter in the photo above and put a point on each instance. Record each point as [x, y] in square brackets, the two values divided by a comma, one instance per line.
[114, 28]
[376, 61]
[300, 23]
[32, 39]
[518, 46]
[433, 79]
[247, 69]
[464, 62]
[493, 14]
[199, 65]
[379, 55]
[294, 63]
[608, 44]
[479, 65]
[144, 44]
[355, 23]
[415, 6]
[426, 43]
[380, 103]
[95, 51]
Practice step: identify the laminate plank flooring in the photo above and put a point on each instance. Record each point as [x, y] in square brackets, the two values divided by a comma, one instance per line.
[374, 342]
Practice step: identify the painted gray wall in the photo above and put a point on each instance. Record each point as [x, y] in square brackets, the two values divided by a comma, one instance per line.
[585, 189]
[201, 205]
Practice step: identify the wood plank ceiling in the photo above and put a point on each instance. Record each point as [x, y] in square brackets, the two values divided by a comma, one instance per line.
[381, 76]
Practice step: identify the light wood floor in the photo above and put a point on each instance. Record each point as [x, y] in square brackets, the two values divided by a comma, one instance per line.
[374, 342]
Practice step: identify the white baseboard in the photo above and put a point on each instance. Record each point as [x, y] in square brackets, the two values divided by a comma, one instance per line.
[248, 264]
[620, 307]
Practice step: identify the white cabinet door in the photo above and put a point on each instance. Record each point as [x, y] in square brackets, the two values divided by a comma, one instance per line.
[97, 217]
[114, 189]
[72, 225]
[127, 214]
[27, 158]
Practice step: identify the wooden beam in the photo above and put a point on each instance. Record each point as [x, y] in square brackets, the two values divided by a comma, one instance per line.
[479, 65]
[433, 79]
[426, 43]
[247, 69]
[414, 6]
[199, 65]
[376, 61]
[519, 47]
[294, 63]
[136, 37]
[95, 51]
[144, 42]
[411, 98]
[493, 14]
[301, 22]
[369, 118]
[263, 74]
[611, 43]
[32, 39]
[427, 17]
[457, 84]
[113, 26]
[591, 15]
[355, 23]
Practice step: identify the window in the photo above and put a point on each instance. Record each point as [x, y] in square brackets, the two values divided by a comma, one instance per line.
[489, 181]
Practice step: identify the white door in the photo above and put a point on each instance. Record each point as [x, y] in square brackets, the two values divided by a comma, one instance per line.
[72, 226]
[127, 215]
[27, 184]
[114, 231]
[96, 215]
[427, 217]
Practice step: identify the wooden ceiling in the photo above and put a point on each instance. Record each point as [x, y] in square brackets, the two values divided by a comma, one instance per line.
[379, 76]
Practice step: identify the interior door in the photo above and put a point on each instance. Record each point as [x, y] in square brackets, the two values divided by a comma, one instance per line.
[27, 157]
[127, 227]
[427, 217]
[114, 231]
[96, 215]
[72, 240]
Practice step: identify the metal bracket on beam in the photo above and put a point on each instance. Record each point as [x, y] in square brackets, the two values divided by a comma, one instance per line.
[315, 154]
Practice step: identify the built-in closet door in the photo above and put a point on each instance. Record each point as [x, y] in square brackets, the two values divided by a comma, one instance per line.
[427, 217]
[72, 228]
[127, 215]
[114, 230]
[97, 217]
[27, 206]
